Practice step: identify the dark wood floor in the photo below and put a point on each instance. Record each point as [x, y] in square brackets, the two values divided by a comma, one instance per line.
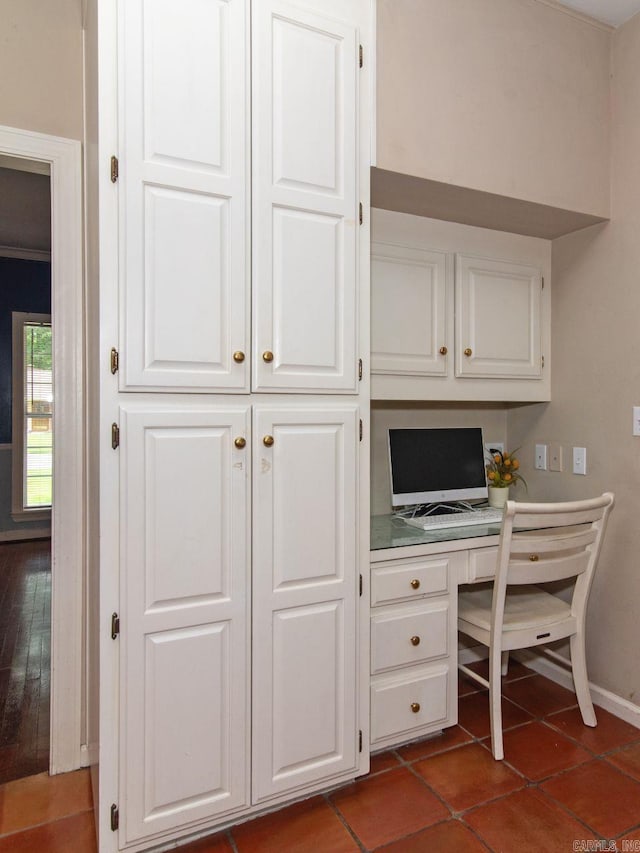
[25, 657]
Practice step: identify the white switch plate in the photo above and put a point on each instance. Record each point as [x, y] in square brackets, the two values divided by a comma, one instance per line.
[579, 460]
[636, 420]
[494, 445]
[555, 457]
[541, 457]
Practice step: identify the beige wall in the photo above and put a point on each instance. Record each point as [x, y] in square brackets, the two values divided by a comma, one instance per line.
[41, 66]
[596, 381]
[384, 416]
[505, 96]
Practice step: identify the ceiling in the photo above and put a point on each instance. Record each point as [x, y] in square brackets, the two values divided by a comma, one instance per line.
[614, 12]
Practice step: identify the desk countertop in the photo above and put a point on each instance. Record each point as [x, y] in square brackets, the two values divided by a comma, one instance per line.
[390, 532]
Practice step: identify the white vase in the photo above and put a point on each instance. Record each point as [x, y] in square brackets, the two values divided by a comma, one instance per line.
[498, 496]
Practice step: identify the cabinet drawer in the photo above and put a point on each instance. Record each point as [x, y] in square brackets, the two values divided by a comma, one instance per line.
[409, 634]
[402, 704]
[409, 579]
[482, 564]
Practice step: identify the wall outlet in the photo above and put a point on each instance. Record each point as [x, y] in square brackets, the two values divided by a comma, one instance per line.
[555, 457]
[579, 460]
[493, 445]
[540, 461]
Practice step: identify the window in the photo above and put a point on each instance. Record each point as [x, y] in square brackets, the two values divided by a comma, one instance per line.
[32, 400]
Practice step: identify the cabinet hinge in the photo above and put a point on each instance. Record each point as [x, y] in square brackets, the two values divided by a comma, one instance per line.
[543, 282]
[361, 56]
[360, 585]
[359, 740]
[115, 625]
[115, 360]
[359, 370]
[115, 817]
[360, 429]
[115, 436]
[360, 214]
[543, 361]
[115, 166]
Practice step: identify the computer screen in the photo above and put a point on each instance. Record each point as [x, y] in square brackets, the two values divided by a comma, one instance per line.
[432, 465]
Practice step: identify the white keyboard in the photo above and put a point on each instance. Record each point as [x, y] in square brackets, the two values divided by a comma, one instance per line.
[486, 515]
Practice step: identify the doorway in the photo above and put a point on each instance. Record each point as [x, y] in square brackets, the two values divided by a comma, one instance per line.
[61, 160]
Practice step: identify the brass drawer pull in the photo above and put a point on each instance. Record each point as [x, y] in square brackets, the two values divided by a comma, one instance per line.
[240, 442]
[534, 558]
[415, 641]
[415, 707]
[238, 356]
[267, 356]
[443, 350]
[415, 584]
[268, 441]
[468, 352]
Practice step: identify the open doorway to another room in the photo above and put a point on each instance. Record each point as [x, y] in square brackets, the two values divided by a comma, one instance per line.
[26, 466]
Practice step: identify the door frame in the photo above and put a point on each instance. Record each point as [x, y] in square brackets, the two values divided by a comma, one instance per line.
[64, 157]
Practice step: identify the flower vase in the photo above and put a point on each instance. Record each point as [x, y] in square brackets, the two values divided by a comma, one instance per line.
[498, 496]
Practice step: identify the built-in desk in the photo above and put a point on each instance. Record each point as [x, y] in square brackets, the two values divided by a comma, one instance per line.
[414, 584]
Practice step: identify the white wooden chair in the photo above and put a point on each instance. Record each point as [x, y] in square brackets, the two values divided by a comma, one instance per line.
[539, 543]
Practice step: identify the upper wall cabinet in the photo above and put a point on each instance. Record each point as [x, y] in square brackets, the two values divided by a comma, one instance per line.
[498, 316]
[457, 325]
[185, 198]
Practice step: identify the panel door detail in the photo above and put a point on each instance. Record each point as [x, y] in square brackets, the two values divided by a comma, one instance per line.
[498, 317]
[184, 217]
[305, 203]
[184, 631]
[408, 310]
[304, 597]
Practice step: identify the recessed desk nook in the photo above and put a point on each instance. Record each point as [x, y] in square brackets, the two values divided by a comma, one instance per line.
[414, 637]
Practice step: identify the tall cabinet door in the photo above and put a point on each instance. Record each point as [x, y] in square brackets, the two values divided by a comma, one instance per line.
[183, 183]
[184, 634]
[305, 219]
[305, 597]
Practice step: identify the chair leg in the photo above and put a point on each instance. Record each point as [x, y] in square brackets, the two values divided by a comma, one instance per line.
[505, 663]
[495, 703]
[581, 681]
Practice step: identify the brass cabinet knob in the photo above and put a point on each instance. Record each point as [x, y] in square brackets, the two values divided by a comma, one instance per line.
[240, 442]
[238, 356]
[534, 558]
[268, 441]
[468, 352]
[443, 350]
[267, 356]
[415, 584]
[415, 641]
[415, 707]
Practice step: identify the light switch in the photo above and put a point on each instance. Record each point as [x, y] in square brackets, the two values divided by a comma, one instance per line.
[541, 457]
[579, 460]
[555, 457]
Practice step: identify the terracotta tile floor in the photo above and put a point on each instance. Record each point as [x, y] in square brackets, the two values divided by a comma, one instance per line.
[560, 783]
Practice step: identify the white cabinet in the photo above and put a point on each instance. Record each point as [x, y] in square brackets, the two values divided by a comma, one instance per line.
[498, 319]
[457, 313]
[413, 646]
[183, 187]
[184, 643]
[187, 200]
[233, 166]
[305, 207]
[409, 310]
[304, 596]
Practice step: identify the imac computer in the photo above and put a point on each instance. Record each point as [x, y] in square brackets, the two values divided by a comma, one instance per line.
[436, 472]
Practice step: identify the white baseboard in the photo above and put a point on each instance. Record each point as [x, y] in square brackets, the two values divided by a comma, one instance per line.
[600, 696]
[540, 663]
[17, 535]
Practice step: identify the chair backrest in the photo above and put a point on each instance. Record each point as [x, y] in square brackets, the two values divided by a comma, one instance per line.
[544, 542]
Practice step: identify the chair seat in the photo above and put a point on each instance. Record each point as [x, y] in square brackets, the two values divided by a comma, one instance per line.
[525, 607]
